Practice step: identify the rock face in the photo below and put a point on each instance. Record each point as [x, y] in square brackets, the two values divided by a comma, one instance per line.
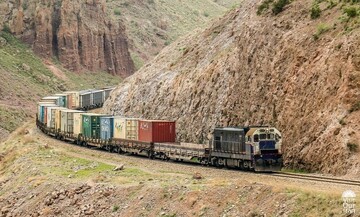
[78, 33]
[248, 70]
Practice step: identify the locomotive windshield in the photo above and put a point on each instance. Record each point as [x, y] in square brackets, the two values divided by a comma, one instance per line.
[264, 136]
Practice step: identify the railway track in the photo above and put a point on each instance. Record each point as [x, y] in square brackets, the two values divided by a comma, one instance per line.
[316, 178]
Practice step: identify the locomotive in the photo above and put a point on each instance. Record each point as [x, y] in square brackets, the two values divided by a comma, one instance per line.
[251, 148]
[255, 148]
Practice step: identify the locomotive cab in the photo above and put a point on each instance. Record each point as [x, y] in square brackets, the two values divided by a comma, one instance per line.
[266, 143]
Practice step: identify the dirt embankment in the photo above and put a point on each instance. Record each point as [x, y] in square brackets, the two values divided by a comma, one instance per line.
[298, 74]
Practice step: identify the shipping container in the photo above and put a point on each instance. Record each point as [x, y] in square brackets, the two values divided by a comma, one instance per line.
[50, 99]
[54, 121]
[78, 123]
[126, 128]
[42, 111]
[106, 128]
[85, 99]
[56, 115]
[67, 120]
[97, 97]
[62, 102]
[50, 123]
[91, 125]
[73, 100]
[156, 131]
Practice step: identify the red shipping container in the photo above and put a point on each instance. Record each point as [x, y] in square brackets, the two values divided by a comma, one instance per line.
[156, 131]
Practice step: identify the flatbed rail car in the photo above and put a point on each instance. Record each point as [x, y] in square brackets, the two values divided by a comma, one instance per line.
[182, 152]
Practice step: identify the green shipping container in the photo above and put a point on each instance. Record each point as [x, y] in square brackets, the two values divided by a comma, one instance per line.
[91, 125]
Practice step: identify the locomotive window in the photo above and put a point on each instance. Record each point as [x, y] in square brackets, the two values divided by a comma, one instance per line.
[270, 136]
[256, 138]
[262, 136]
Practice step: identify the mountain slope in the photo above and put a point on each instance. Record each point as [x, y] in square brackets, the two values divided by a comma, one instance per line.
[151, 25]
[288, 70]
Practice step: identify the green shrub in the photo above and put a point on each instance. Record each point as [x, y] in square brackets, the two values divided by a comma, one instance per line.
[206, 14]
[351, 12]
[117, 11]
[315, 11]
[264, 6]
[279, 5]
[332, 4]
[353, 147]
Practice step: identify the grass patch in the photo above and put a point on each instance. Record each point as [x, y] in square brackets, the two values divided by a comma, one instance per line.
[117, 11]
[315, 204]
[321, 29]
[133, 172]
[137, 61]
[71, 167]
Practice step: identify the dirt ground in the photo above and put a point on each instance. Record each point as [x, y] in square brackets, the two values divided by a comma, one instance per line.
[40, 176]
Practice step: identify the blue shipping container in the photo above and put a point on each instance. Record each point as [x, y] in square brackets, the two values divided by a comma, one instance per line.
[106, 128]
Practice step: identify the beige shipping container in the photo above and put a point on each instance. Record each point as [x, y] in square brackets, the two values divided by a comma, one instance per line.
[78, 123]
[50, 118]
[126, 128]
[73, 99]
[67, 120]
[55, 122]
[58, 118]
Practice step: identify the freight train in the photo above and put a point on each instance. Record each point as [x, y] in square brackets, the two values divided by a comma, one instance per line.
[64, 116]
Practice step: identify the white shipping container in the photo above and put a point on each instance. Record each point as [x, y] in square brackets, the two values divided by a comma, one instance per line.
[67, 120]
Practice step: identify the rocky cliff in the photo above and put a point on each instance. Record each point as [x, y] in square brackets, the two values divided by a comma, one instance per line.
[78, 33]
[299, 74]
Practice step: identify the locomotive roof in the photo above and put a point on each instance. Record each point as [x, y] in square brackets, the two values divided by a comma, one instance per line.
[230, 128]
